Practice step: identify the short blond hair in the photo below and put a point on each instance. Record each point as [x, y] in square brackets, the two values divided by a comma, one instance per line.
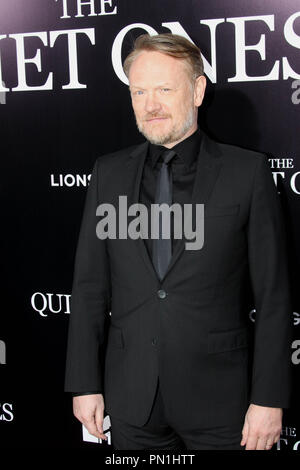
[170, 44]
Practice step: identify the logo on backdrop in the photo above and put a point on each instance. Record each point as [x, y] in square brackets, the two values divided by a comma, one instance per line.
[6, 413]
[50, 303]
[288, 439]
[278, 167]
[2, 352]
[243, 27]
[280, 170]
[69, 180]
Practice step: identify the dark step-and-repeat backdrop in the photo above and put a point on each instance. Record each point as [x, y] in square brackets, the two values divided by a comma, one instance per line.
[64, 101]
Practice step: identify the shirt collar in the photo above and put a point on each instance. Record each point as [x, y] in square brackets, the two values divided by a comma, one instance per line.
[187, 149]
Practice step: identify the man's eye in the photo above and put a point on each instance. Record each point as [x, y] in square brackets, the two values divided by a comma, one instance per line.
[165, 89]
[139, 92]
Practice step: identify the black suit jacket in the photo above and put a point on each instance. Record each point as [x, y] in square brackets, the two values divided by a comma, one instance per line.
[191, 329]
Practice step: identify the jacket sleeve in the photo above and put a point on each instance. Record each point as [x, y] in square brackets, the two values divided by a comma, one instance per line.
[90, 301]
[269, 273]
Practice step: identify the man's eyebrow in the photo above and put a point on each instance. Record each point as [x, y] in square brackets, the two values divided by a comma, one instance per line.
[158, 86]
[136, 86]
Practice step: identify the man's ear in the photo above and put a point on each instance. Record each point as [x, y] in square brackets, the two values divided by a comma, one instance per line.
[199, 90]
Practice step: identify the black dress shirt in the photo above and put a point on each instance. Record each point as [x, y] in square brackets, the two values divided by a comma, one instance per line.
[183, 167]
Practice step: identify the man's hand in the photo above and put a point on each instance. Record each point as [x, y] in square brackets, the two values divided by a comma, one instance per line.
[262, 427]
[89, 409]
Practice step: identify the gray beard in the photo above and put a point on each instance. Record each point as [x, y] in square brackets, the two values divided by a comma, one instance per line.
[173, 135]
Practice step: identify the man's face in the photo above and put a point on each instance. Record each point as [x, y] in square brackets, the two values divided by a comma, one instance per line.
[163, 98]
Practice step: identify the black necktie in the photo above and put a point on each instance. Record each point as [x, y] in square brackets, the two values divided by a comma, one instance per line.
[162, 247]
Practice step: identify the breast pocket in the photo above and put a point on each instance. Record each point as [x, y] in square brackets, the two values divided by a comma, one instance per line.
[219, 211]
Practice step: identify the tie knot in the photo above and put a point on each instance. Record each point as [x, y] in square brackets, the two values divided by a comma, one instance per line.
[167, 156]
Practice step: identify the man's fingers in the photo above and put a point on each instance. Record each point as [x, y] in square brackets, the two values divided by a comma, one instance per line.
[251, 442]
[256, 442]
[99, 418]
[92, 428]
[89, 410]
[276, 438]
[269, 443]
[261, 443]
[244, 434]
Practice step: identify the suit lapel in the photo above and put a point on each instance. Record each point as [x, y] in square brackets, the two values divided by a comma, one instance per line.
[135, 166]
[208, 167]
[207, 170]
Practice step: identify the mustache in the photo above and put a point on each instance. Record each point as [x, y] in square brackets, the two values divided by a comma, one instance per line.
[153, 116]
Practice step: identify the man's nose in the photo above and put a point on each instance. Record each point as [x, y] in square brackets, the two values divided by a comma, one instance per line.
[152, 103]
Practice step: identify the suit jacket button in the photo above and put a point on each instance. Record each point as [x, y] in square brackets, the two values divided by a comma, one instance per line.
[162, 294]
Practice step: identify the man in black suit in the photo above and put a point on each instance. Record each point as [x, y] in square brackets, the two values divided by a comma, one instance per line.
[171, 364]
